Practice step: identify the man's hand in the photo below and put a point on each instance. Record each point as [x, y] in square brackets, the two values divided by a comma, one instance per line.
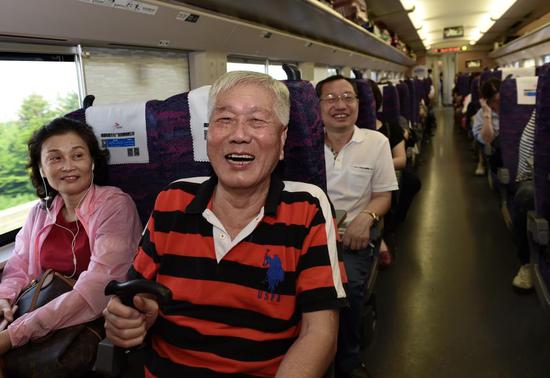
[357, 235]
[127, 327]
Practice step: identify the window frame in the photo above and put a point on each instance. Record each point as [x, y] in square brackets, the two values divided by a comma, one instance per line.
[39, 53]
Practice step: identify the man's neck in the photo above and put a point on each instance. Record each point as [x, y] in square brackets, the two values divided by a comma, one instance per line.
[337, 139]
[236, 208]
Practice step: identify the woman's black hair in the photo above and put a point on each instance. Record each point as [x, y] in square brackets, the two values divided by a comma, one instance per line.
[490, 88]
[377, 93]
[60, 126]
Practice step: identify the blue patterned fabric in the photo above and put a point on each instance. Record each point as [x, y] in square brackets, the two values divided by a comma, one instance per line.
[390, 107]
[475, 91]
[513, 118]
[541, 169]
[404, 100]
[463, 85]
[414, 103]
[485, 75]
[171, 147]
[367, 112]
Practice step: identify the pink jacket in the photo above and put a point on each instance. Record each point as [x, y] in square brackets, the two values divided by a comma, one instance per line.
[112, 224]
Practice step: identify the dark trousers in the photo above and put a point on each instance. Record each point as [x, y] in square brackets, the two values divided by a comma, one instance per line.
[358, 266]
[409, 186]
[523, 202]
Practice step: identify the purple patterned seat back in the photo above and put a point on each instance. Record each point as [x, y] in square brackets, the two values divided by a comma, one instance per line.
[513, 119]
[171, 147]
[541, 169]
[404, 100]
[485, 75]
[367, 112]
[463, 85]
[414, 103]
[475, 91]
[390, 104]
[305, 144]
[170, 153]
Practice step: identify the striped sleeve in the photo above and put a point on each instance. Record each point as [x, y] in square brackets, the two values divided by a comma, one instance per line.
[526, 150]
[320, 273]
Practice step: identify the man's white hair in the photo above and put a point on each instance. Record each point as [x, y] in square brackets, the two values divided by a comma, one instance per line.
[229, 80]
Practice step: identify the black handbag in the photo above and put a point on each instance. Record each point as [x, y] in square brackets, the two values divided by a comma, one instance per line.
[67, 352]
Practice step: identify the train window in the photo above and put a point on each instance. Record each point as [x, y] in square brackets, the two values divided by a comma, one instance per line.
[546, 59]
[276, 71]
[529, 63]
[35, 88]
[115, 75]
[238, 66]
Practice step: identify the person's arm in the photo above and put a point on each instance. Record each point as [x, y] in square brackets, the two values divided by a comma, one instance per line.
[487, 132]
[357, 234]
[16, 272]
[314, 349]
[399, 156]
[116, 239]
[477, 124]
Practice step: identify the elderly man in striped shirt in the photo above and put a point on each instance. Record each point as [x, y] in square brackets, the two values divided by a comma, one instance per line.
[251, 259]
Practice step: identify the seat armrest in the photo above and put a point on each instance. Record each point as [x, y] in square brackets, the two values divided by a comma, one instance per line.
[377, 230]
[340, 217]
[538, 228]
[110, 360]
[503, 175]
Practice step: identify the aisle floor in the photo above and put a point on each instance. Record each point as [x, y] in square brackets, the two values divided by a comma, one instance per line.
[447, 307]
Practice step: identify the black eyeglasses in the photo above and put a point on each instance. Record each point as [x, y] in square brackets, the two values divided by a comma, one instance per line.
[331, 98]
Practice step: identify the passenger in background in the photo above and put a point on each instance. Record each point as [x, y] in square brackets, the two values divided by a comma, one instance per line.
[485, 125]
[80, 229]
[394, 133]
[360, 179]
[523, 202]
[251, 260]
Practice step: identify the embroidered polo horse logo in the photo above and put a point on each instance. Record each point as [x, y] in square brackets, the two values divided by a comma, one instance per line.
[274, 275]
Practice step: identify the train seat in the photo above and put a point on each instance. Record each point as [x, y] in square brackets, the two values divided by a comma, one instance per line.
[366, 118]
[538, 230]
[404, 101]
[514, 115]
[414, 103]
[485, 75]
[390, 104]
[463, 85]
[170, 143]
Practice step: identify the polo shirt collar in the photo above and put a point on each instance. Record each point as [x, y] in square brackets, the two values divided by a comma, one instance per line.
[357, 136]
[206, 189]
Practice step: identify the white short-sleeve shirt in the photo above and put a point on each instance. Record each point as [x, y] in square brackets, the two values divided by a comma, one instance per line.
[362, 167]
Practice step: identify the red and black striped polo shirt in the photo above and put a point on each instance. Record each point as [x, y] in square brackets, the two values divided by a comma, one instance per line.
[241, 315]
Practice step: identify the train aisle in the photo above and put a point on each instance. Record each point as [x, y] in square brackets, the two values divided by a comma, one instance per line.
[447, 307]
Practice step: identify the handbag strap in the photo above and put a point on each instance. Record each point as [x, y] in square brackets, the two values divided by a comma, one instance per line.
[47, 273]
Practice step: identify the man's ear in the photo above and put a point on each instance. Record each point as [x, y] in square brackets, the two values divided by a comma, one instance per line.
[283, 141]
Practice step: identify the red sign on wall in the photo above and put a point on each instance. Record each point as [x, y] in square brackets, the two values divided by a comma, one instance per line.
[446, 50]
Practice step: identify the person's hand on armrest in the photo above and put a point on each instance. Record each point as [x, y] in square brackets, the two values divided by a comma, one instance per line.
[357, 235]
[127, 327]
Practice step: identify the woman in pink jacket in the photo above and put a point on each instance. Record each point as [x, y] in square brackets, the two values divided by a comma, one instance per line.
[82, 230]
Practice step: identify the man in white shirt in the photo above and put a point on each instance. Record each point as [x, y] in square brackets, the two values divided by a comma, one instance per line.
[360, 178]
